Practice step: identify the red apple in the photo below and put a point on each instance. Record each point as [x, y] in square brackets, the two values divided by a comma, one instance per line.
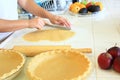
[114, 51]
[116, 64]
[105, 60]
[89, 4]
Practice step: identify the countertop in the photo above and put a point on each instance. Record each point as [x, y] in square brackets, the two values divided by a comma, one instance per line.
[98, 31]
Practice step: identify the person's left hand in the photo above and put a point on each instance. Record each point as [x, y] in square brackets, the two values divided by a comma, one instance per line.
[60, 21]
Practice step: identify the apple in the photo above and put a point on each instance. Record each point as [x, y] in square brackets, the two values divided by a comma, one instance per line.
[89, 4]
[105, 60]
[116, 64]
[114, 51]
[84, 2]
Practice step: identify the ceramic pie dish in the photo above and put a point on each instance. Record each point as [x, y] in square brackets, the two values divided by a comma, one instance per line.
[59, 65]
[11, 63]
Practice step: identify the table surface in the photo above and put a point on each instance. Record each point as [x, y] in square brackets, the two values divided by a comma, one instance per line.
[98, 31]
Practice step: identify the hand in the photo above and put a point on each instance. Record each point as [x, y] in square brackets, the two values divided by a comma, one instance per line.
[60, 21]
[36, 23]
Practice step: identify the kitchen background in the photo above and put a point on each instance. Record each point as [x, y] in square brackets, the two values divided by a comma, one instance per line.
[99, 32]
[53, 6]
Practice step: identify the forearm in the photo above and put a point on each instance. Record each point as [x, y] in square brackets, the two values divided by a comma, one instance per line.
[33, 8]
[12, 25]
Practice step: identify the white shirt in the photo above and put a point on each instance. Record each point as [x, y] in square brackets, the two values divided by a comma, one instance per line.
[8, 11]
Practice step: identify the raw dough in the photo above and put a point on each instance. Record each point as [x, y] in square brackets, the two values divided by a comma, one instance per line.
[9, 61]
[59, 65]
[51, 35]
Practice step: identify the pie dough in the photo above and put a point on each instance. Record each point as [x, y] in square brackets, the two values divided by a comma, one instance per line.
[59, 65]
[51, 35]
[10, 63]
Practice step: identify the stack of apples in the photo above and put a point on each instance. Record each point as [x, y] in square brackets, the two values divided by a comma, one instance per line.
[85, 7]
[110, 59]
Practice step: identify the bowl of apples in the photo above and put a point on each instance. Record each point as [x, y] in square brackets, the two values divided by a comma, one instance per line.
[85, 8]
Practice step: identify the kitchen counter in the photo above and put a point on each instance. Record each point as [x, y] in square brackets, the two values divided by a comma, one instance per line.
[98, 31]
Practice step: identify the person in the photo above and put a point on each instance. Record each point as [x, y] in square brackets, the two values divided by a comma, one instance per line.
[9, 21]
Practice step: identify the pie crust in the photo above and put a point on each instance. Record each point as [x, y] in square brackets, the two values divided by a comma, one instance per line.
[59, 65]
[49, 35]
[11, 63]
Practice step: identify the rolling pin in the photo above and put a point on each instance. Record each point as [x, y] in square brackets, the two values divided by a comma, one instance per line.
[34, 50]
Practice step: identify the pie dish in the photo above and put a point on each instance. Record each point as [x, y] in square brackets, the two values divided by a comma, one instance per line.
[59, 65]
[11, 63]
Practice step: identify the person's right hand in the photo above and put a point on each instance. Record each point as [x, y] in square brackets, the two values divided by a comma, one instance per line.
[36, 23]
